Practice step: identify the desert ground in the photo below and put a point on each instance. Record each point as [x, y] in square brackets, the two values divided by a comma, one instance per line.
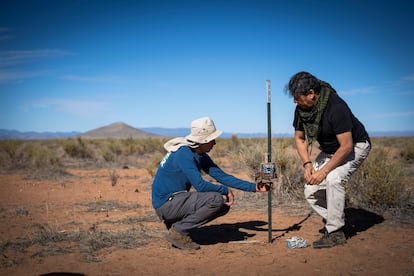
[93, 223]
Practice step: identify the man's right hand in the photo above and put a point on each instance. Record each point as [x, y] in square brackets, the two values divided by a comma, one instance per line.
[264, 186]
[307, 174]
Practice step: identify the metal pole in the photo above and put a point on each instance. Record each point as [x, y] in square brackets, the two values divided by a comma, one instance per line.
[269, 159]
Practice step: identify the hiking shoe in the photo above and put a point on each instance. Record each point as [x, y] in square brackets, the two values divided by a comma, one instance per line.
[181, 241]
[323, 230]
[168, 224]
[330, 240]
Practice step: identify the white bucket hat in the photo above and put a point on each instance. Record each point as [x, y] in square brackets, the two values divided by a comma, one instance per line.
[203, 131]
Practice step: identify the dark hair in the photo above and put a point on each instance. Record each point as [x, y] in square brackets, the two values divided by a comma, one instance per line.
[301, 83]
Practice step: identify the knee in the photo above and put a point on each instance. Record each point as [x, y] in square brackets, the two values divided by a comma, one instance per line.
[310, 191]
[217, 204]
[216, 201]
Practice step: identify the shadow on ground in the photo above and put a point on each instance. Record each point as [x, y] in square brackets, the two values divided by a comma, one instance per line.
[223, 233]
[358, 220]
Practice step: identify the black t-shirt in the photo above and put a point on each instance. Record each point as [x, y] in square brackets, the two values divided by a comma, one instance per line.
[336, 119]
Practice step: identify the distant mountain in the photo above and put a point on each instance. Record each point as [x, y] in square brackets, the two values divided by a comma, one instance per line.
[170, 132]
[122, 130]
[176, 132]
[6, 134]
[116, 130]
[180, 132]
[407, 133]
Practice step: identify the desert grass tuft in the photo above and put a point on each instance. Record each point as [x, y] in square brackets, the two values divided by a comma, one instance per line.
[106, 205]
[114, 176]
[87, 242]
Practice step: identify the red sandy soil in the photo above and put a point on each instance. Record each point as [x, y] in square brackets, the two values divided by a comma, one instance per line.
[236, 244]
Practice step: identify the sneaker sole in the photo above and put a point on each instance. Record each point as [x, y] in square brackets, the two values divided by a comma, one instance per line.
[319, 246]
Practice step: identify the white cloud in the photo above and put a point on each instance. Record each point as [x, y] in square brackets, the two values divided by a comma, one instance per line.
[4, 34]
[358, 91]
[82, 108]
[10, 58]
[10, 75]
[108, 79]
[394, 114]
[409, 77]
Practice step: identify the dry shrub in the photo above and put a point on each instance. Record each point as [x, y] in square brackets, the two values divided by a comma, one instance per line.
[27, 154]
[110, 149]
[153, 162]
[39, 156]
[378, 183]
[113, 176]
[77, 148]
[8, 151]
[251, 152]
[38, 159]
[407, 152]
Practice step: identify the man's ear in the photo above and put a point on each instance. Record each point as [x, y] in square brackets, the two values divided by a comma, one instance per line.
[311, 92]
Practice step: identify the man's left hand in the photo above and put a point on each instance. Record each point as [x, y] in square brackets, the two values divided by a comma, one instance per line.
[229, 198]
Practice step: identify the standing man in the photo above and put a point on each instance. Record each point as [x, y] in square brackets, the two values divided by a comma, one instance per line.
[181, 209]
[323, 116]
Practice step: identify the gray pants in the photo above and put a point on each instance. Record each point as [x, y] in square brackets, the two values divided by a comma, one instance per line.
[328, 198]
[189, 210]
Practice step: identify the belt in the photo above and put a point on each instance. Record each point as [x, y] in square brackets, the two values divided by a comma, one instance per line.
[176, 193]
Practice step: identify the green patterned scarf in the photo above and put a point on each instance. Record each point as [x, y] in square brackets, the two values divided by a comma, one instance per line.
[311, 118]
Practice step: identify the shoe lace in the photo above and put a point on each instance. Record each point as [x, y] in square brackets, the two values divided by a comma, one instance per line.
[188, 239]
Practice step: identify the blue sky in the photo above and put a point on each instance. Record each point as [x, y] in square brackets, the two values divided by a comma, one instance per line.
[78, 65]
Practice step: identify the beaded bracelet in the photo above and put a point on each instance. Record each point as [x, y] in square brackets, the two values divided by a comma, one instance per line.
[307, 162]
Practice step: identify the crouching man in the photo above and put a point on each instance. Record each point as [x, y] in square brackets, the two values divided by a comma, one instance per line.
[180, 209]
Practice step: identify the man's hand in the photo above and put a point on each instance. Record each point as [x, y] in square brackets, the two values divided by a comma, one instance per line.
[307, 174]
[316, 177]
[229, 198]
[264, 185]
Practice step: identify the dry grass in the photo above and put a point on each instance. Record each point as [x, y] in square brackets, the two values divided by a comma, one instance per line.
[52, 241]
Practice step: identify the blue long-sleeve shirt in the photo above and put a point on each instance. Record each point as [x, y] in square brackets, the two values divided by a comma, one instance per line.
[181, 169]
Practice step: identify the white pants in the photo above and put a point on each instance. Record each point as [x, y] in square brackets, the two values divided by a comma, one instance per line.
[328, 198]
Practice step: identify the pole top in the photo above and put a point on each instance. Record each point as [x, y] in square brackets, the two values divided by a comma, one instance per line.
[268, 90]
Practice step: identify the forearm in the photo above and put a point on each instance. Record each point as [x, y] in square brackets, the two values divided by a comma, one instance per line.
[230, 180]
[302, 147]
[346, 146]
[337, 159]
